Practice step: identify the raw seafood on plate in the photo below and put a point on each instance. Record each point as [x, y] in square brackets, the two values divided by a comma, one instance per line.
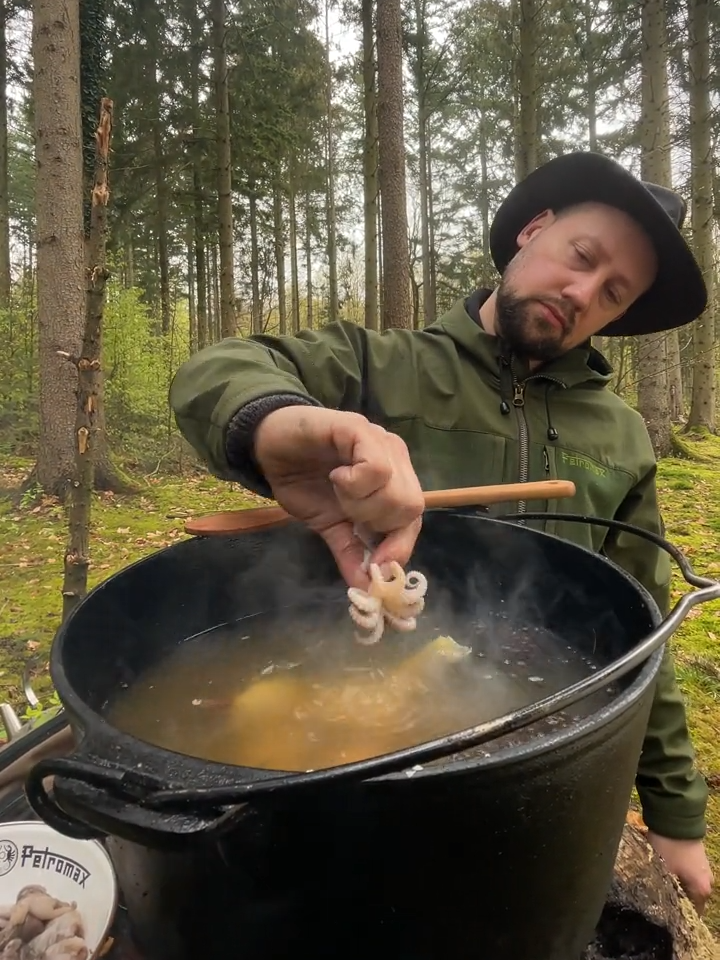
[40, 927]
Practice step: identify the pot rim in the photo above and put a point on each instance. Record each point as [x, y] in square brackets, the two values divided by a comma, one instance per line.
[93, 724]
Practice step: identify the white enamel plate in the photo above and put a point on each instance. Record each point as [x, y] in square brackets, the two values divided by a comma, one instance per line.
[32, 853]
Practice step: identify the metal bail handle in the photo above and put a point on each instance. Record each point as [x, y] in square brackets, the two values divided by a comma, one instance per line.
[242, 792]
[678, 556]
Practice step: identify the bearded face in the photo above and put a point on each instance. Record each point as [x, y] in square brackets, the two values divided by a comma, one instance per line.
[534, 327]
[573, 274]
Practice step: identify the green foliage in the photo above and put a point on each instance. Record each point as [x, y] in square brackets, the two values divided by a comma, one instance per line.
[139, 364]
[44, 710]
[18, 375]
[21, 175]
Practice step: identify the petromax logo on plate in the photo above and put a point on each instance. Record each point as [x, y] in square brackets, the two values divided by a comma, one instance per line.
[41, 858]
[8, 856]
[45, 859]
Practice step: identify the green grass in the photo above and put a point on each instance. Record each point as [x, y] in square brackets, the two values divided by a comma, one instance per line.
[690, 497]
[125, 529]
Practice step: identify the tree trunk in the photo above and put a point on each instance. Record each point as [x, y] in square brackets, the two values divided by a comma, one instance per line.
[203, 322]
[431, 220]
[676, 394]
[421, 86]
[192, 302]
[381, 267]
[87, 366]
[526, 134]
[702, 409]
[228, 322]
[370, 167]
[279, 235]
[294, 278]
[309, 293]
[488, 268]
[211, 292]
[330, 190]
[256, 312]
[653, 381]
[397, 309]
[591, 80]
[129, 258]
[60, 239]
[198, 233]
[161, 189]
[93, 44]
[4, 183]
[216, 295]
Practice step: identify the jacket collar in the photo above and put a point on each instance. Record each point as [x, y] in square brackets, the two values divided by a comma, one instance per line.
[582, 364]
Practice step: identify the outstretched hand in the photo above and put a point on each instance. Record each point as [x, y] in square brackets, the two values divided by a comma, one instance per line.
[686, 860]
[335, 471]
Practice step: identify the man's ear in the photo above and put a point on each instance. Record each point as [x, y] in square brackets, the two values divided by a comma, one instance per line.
[537, 224]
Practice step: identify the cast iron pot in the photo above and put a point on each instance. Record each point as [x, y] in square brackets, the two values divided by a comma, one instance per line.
[431, 852]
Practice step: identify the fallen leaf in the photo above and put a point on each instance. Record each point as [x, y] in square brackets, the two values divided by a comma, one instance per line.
[123, 529]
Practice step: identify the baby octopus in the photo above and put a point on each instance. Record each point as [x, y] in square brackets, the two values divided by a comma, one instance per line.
[397, 600]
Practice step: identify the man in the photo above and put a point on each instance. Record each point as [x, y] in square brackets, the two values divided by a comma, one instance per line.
[344, 426]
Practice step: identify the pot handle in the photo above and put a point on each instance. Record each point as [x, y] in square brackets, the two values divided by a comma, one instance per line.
[84, 768]
[206, 799]
[46, 806]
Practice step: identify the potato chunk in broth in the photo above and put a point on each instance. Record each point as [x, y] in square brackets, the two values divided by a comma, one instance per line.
[291, 693]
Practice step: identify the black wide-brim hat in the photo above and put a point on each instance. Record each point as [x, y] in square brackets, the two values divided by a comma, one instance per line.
[678, 295]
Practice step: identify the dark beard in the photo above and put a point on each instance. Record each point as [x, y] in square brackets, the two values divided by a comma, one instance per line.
[529, 337]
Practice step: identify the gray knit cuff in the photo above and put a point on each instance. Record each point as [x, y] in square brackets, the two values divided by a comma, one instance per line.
[240, 437]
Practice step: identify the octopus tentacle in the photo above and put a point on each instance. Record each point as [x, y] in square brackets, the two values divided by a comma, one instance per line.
[415, 587]
[363, 601]
[374, 635]
[401, 624]
[368, 621]
[413, 609]
[390, 591]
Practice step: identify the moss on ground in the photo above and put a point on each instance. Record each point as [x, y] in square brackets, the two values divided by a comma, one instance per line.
[124, 529]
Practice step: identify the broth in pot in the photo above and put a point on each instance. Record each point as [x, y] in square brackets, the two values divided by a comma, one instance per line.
[294, 691]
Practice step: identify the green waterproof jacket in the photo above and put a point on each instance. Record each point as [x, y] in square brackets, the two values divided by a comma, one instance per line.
[470, 417]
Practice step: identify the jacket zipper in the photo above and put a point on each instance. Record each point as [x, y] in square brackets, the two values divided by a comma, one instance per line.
[523, 432]
[519, 404]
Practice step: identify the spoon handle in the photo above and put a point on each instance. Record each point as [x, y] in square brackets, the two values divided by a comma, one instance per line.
[233, 522]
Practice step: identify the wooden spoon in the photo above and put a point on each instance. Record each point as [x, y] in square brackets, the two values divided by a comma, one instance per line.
[233, 522]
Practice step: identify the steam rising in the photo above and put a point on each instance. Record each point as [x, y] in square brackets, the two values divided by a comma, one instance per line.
[529, 625]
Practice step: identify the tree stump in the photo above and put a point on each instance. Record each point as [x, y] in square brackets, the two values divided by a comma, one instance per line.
[646, 915]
